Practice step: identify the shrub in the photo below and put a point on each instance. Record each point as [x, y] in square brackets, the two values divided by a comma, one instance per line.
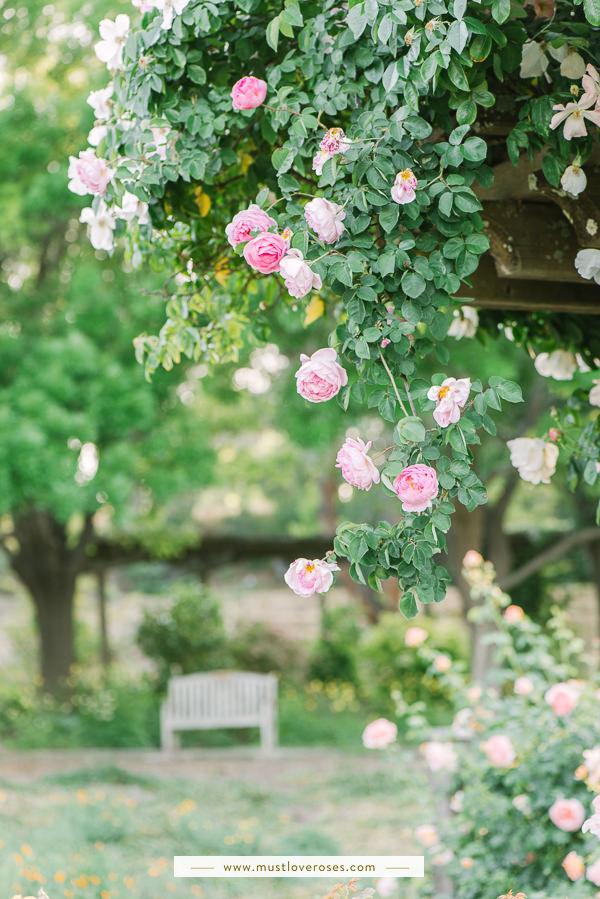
[258, 647]
[333, 656]
[530, 742]
[390, 671]
[187, 636]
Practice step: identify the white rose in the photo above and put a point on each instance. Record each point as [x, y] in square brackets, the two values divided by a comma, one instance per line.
[101, 226]
[573, 180]
[587, 263]
[560, 365]
[595, 393]
[465, 323]
[573, 66]
[533, 60]
[534, 459]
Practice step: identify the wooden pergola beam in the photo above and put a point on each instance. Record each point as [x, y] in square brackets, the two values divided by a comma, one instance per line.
[489, 291]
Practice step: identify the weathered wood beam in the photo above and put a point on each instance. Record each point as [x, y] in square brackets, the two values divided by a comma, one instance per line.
[518, 294]
[531, 241]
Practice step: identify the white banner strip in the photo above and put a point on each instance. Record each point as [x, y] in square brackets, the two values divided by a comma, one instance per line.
[298, 866]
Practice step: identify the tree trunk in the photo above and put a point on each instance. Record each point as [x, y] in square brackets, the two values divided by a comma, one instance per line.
[54, 603]
[105, 653]
[48, 566]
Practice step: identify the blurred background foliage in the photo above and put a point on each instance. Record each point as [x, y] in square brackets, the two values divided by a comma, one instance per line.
[93, 456]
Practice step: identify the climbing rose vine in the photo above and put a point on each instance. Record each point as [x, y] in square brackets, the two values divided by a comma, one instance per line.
[268, 149]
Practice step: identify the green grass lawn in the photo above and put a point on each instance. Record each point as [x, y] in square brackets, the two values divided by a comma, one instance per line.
[107, 834]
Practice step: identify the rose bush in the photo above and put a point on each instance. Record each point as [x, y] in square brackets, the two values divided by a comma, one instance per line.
[358, 133]
[523, 771]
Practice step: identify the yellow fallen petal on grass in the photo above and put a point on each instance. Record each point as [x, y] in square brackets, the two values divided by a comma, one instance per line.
[314, 310]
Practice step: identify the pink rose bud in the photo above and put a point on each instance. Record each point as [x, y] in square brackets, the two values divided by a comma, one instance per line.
[265, 252]
[404, 187]
[523, 686]
[88, 174]
[298, 275]
[416, 486]
[414, 636]
[500, 751]
[379, 734]
[426, 835]
[240, 228]
[335, 141]
[439, 756]
[319, 161]
[325, 218]
[573, 866]
[554, 435]
[442, 664]
[306, 577]
[385, 342]
[513, 614]
[567, 814]
[449, 397]
[562, 698]
[249, 92]
[357, 467]
[472, 559]
[320, 377]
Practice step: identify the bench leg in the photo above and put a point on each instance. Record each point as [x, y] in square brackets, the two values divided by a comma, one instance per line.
[268, 734]
[168, 738]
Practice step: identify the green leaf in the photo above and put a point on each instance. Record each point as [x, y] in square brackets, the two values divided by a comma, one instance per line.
[272, 33]
[457, 75]
[474, 149]
[413, 284]
[388, 217]
[408, 604]
[410, 430]
[591, 9]
[508, 390]
[386, 263]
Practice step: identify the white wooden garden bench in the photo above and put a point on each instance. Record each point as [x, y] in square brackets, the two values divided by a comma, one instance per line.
[220, 699]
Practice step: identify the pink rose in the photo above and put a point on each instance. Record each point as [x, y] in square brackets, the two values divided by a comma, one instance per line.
[554, 435]
[298, 275]
[320, 377]
[319, 161]
[265, 252]
[306, 577]
[472, 559]
[513, 614]
[335, 141]
[523, 686]
[414, 636]
[416, 486]
[357, 467]
[593, 873]
[325, 218]
[404, 187]
[449, 397]
[88, 174]
[563, 699]
[500, 751]
[440, 756]
[442, 664]
[573, 865]
[242, 225]
[386, 886]
[249, 92]
[385, 342]
[379, 734]
[426, 835]
[567, 814]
